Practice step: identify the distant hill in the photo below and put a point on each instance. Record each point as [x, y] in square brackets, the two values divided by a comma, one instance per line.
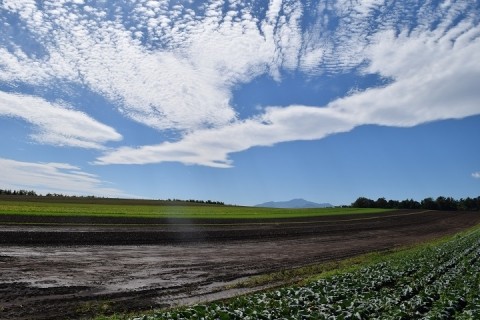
[294, 203]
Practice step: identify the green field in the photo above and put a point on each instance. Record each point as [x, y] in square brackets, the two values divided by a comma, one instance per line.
[159, 209]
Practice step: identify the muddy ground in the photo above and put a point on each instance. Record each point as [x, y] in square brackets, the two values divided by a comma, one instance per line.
[76, 268]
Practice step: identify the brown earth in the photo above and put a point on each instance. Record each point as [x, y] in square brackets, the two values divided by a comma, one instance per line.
[78, 267]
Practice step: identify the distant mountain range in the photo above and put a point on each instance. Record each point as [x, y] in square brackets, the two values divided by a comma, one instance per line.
[294, 203]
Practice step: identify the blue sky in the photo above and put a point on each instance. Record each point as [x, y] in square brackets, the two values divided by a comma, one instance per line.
[241, 101]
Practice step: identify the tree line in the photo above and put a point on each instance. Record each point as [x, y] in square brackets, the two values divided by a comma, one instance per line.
[197, 201]
[32, 193]
[440, 203]
[18, 192]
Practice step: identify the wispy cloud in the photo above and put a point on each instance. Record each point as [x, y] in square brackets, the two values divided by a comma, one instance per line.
[53, 177]
[476, 175]
[56, 124]
[168, 67]
[174, 66]
[440, 83]
[211, 147]
[161, 68]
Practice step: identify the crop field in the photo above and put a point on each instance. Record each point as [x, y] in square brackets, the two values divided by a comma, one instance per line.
[137, 209]
[77, 267]
[79, 259]
[436, 282]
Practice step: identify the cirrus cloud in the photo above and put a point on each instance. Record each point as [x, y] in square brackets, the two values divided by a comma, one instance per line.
[440, 83]
[175, 66]
[56, 124]
[54, 178]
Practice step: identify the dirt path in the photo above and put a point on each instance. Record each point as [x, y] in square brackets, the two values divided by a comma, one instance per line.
[169, 264]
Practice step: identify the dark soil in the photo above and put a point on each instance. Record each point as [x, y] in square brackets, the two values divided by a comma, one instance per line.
[76, 267]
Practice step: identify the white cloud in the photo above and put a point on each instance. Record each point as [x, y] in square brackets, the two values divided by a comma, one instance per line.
[56, 124]
[288, 36]
[211, 147]
[165, 67]
[476, 175]
[434, 77]
[175, 68]
[181, 78]
[54, 178]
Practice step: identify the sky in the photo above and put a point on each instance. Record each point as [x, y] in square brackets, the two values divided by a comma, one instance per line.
[241, 101]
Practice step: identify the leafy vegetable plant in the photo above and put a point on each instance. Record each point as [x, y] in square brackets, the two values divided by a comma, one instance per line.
[439, 282]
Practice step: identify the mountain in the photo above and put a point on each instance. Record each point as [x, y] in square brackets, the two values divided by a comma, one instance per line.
[294, 203]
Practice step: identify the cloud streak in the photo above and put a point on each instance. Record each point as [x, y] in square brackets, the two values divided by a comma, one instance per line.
[211, 147]
[53, 177]
[56, 124]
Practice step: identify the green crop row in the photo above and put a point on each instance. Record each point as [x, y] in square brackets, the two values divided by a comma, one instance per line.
[164, 211]
[439, 282]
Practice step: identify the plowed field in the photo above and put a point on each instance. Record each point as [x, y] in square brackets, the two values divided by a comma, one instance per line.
[74, 267]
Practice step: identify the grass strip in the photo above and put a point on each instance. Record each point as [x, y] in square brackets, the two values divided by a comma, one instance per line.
[164, 211]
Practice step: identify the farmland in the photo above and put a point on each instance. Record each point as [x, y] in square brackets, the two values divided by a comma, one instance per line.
[157, 209]
[434, 282]
[70, 265]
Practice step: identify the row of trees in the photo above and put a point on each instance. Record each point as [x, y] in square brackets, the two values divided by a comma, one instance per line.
[18, 192]
[32, 193]
[206, 202]
[197, 201]
[441, 203]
